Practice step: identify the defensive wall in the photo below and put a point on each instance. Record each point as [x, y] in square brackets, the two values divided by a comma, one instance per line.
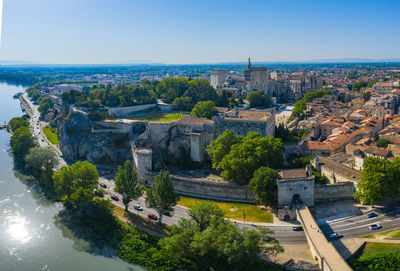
[334, 192]
[323, 251]
[207, 189]
[129, 110]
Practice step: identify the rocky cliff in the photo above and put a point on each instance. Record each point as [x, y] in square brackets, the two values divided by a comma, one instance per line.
[79, 141]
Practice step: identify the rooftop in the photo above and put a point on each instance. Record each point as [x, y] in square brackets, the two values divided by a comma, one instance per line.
[293, 173]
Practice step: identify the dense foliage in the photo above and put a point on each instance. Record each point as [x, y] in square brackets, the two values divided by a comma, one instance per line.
[379, 180]
[301, 105]
[162, 195]
[204, 109]
[357, 86]
[22, 141]
[382, 142]
[221, 147]
[210, 242]
[258, 99]
[127, 184]
[377, 261]
[263, 185]
[18, 122]
[289, 136]
[250, 153]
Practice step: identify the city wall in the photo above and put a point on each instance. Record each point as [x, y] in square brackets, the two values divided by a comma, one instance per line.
[126, 111]
[208, 189]
[333, 192]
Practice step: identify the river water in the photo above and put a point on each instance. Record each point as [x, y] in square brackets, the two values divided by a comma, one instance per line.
[32, 237]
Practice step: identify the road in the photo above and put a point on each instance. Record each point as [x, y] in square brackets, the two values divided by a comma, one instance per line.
[350, 227]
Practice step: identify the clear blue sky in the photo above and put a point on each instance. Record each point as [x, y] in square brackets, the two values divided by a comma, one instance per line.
[198, 31]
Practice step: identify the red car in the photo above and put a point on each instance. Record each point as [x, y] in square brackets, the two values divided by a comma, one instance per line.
[152, 216]
[114, 197]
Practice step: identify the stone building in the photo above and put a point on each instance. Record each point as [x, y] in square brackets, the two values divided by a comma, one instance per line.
[217, 79]
[294, 185]
[256, 78]
[243, 121]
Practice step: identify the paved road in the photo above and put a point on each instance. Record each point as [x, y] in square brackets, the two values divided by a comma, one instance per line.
[354, 226]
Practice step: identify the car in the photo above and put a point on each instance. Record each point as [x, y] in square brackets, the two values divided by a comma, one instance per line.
[371, 215]
[42, 140]
[103, 185]
[375, 227]
[138, 207]
[152, 216]
[167, 213]
[61, 156]
[297, 228]
[335, 235]
[114, 197]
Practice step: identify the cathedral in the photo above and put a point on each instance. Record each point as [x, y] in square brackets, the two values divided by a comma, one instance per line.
[290, 87]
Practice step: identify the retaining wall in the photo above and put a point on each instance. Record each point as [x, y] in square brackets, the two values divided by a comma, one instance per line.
[332, 192]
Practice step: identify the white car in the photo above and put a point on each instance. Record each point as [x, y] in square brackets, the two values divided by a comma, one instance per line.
[138, 207]
[375, 227]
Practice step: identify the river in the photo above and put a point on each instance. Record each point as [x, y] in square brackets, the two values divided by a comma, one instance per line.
[32, 237]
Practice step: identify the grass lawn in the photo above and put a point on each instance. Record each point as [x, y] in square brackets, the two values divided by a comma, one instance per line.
[379, 247]
[160, 117]
[51, 134]
[235, 210]
[395, 234]
[141, 221]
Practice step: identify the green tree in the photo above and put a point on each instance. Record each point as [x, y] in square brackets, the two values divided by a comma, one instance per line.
[382, 142]
[184, 103]
[22, 141]
[127, 184]
[263, 185]
[357, 86]
[367, 95]
[204, 109]
[18, 122]
[40, 162]
[250, 154]
[213, 243]
[379, 180]
[45, 104]
[68, 179]
[258, 99]
[221, 147]
[301, 105]
[162, 195]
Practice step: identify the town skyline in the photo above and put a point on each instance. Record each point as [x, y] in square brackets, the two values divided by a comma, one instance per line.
[91, 32]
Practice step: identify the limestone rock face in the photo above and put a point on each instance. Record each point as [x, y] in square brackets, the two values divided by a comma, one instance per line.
[79, 141]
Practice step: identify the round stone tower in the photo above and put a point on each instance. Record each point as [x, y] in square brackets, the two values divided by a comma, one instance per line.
[143, 162]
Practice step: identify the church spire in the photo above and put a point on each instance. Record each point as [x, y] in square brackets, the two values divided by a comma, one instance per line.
[249, 65]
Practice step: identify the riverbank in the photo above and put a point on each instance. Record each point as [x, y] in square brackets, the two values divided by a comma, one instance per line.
[33, 237]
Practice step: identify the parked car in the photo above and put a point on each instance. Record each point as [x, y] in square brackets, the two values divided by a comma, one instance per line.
[335, 235]
[138, 207]
[152, 216]
[371, 215]
[375, 227]
[298, 228]
[114, 197]
[103, 185]
[167, 213]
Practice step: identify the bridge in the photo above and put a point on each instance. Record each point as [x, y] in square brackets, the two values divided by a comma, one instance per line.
[328, 257]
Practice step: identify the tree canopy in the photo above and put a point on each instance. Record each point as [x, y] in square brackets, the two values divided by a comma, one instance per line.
[357, 86]
[382, 142]
[212, 243]
[127, 184]
[263, 185]
[22, 141]
[162, 195]
[250, 154]
[221, 147]
[379, 180]
[258, 99]
[68, 179]
[204, 109]
[40, 162]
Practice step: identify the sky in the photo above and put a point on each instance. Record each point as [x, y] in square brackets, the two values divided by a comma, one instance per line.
[197, 31]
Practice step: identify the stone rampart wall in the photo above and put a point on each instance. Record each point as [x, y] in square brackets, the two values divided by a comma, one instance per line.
[126, 111]
[332, 192]
[209, 189]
